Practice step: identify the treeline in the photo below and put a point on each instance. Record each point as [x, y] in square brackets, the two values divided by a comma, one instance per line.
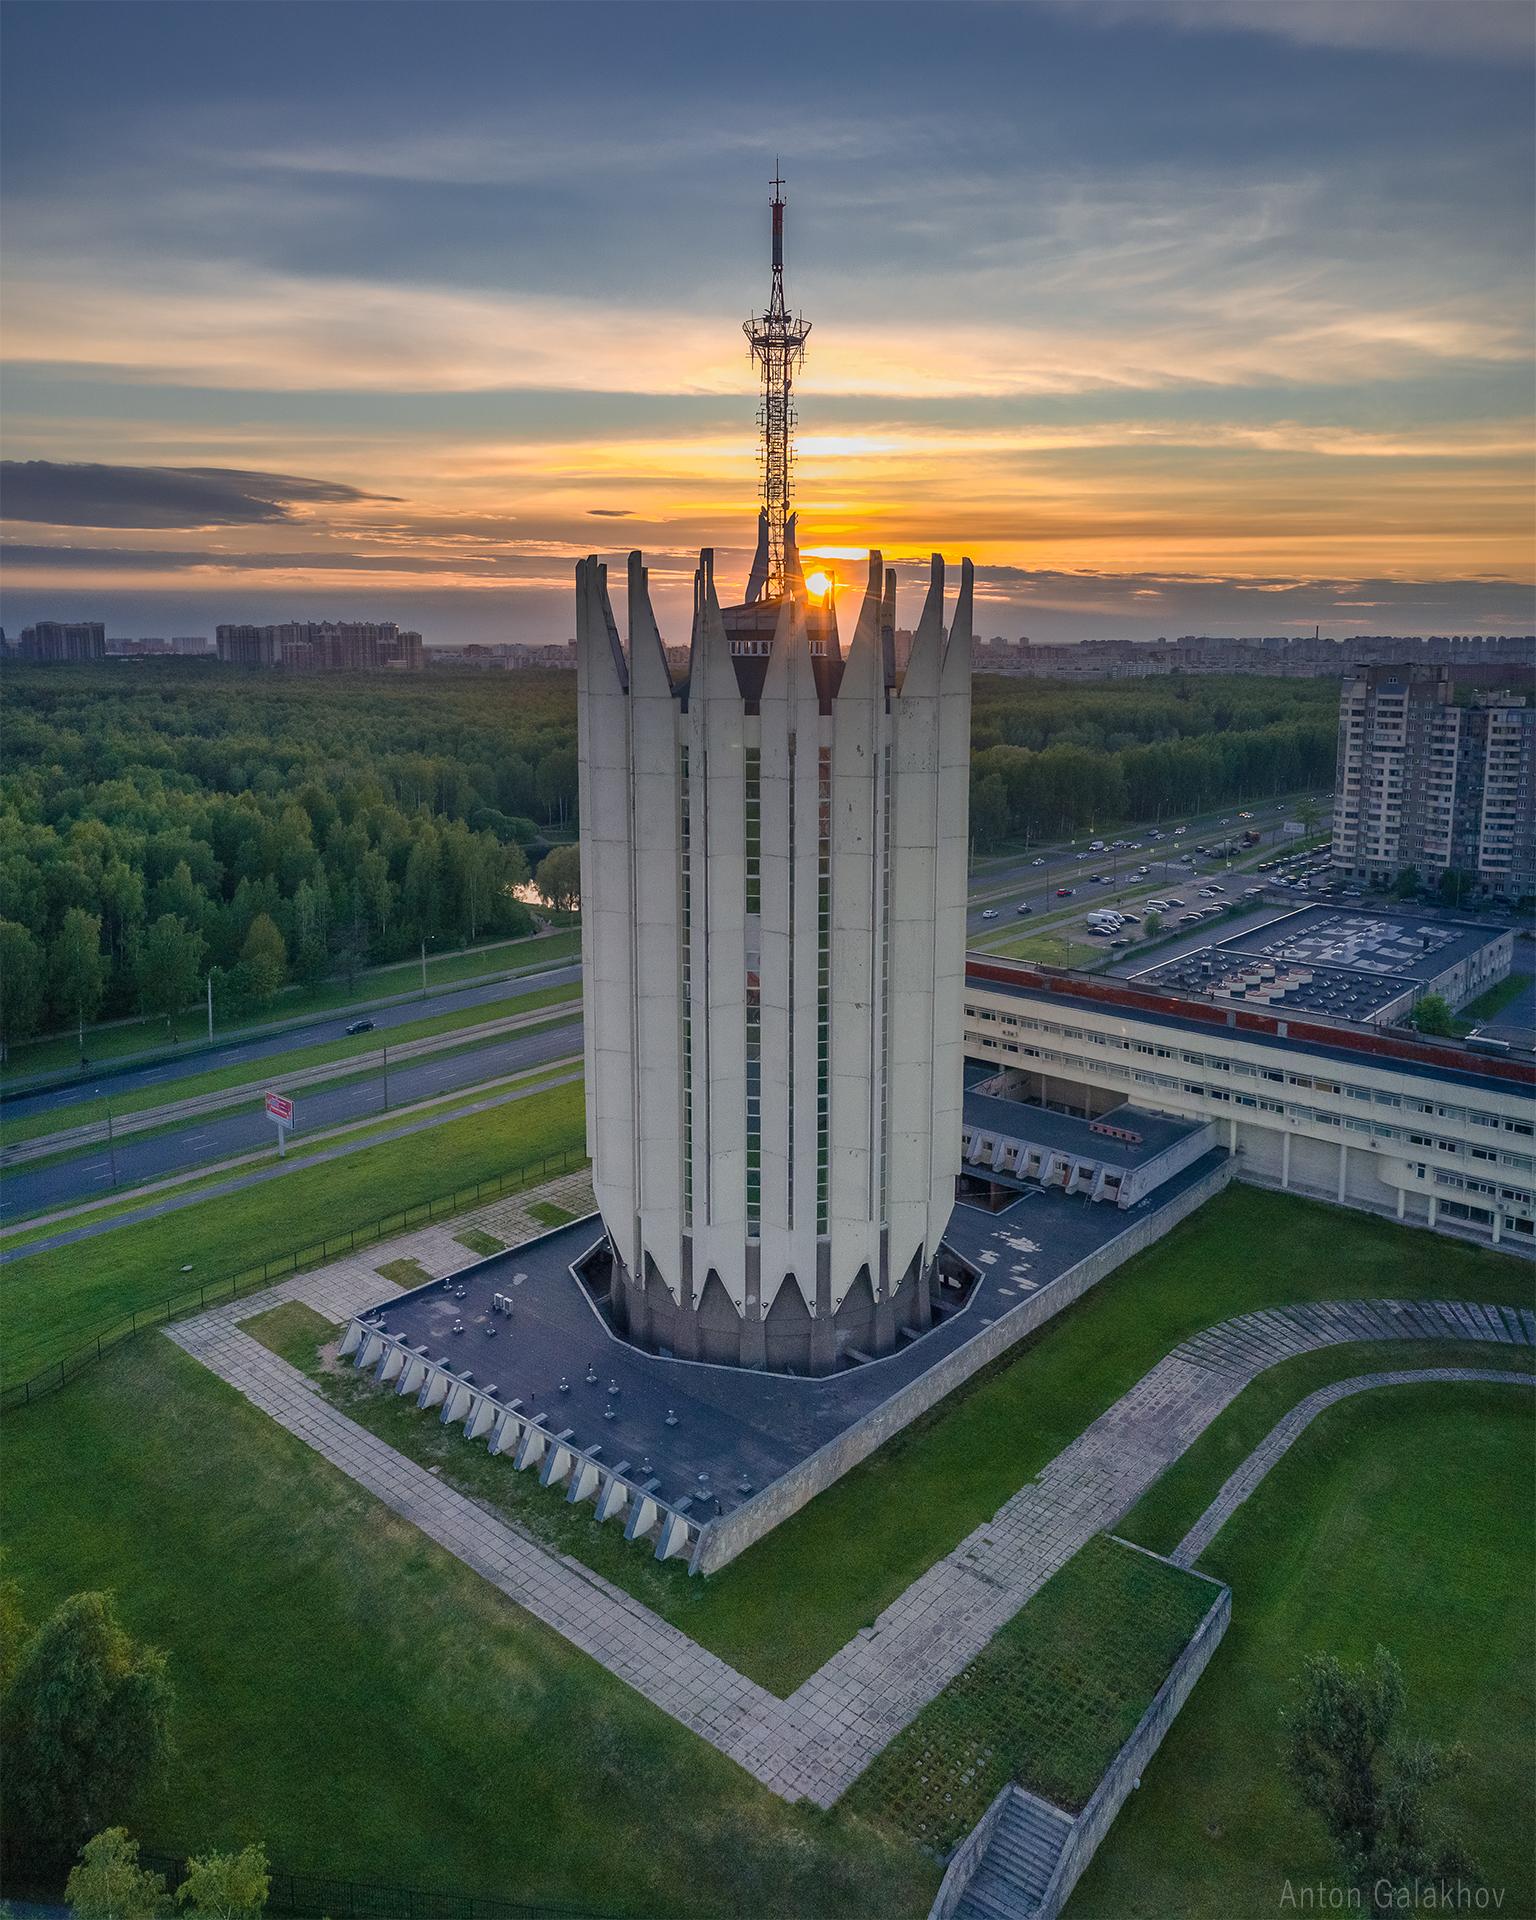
[161, 825]
[167, 823]
[1048, 758]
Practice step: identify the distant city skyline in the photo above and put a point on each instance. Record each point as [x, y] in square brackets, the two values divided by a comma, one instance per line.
[1197, 319]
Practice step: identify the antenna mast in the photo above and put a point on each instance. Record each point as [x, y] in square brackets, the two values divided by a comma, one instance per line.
[777, 345]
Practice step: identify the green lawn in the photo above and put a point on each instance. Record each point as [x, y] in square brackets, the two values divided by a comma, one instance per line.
[363, 1048]
[1167, 1511]
[791, 1600]
[1487, 1006]
[1049, 1702]
[50, 1302]
[365, 1704]
[1401, 1516]
[1050, 950]
[113, 1043]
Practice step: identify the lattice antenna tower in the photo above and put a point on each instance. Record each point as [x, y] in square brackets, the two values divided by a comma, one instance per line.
[777, 345]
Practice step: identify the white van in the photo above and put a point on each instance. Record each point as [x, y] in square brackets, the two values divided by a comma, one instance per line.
[1095, 846]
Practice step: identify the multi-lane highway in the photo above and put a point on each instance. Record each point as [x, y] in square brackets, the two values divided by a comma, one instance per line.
[87, 1176]
[314, 1032]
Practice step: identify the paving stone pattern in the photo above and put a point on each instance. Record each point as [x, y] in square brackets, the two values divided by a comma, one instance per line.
[817, 1742]
[1289, 1430]
[510, 1221]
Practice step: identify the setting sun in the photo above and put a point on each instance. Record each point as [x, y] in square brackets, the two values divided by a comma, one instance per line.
[820, 584]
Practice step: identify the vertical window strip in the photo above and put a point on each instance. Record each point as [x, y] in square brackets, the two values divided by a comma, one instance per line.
[684, 843]
[789, 1196]
[754, 1026]
[885, 976]
[823, 975]
[754, 829]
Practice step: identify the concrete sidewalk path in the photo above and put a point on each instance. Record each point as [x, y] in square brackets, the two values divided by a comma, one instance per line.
[818, 1741]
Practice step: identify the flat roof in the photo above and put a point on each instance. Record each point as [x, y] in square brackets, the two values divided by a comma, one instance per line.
[1331, 960]
[1078, 993]
[1064, 1133]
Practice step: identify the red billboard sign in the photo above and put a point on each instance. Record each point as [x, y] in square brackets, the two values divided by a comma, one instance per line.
[280, 1108]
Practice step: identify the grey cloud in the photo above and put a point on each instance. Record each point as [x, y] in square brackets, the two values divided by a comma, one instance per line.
[81, 494]
[165, 559]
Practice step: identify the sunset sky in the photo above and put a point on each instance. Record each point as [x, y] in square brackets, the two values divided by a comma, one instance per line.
[1183, 317]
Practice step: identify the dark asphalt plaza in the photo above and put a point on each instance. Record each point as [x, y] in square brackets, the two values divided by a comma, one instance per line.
[715, 1434]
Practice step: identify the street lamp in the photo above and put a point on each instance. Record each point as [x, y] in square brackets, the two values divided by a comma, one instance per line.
[111, 1142]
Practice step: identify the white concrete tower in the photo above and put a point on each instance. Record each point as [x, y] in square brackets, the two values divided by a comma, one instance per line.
[773, 945]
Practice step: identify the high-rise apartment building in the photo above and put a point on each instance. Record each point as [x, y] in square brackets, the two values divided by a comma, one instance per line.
[322, 646]
[65, 640]
[1425, 783]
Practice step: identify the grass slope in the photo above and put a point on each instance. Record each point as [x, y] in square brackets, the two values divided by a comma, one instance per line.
[788, 1603]
[365, 1704]
[51, 1301]
[1049, 1702]
[1401, 1516]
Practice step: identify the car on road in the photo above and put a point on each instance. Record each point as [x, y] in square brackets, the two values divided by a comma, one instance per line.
[361, 1026]
[1143, 869]
[1082, 856]
[1186, 859]
[989, 913]
[1037, 863]
[1062, 893]
[1023, 907]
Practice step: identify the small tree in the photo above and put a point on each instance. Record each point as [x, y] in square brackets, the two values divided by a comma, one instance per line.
[226, 1886]
[559, 877]
[21, 984]
[86, 1728]
[1406, 885]
[109, 1883]
[1370, 1790]
[263, 960]
[1152, 925]
[77, 967]
[1432, 1015]
[170, 966]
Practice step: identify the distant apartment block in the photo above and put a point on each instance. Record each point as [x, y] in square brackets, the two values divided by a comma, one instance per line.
[185, 646]
[506, 655]
[64, 640]
[1477, 659]
[1426, 783]
[322, 646]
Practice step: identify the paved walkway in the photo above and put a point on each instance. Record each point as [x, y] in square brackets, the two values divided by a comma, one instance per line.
[818, 1741]
[1287, 1431]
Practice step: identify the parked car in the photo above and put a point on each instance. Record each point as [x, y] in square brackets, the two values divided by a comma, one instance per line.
[361, 1026]
[1132, 916]
[1119, 943]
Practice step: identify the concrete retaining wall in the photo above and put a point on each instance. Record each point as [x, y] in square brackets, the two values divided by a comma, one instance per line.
[722, 1540]
[1125, 1770]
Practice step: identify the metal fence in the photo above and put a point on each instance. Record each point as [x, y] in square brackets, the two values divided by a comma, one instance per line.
[316, 1254]
[323, 1896]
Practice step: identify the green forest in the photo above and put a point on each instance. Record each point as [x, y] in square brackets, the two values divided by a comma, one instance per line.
[173, 822]
[1049, 757]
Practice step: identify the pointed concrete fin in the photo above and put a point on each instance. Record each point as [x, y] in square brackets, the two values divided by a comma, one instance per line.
[791, 646]
[711, 644]
[957, 656]
[597, 576]
[759, 575]
[861, 676]
[888, 628]
[647, 656]
[926, 657]
[794, 579]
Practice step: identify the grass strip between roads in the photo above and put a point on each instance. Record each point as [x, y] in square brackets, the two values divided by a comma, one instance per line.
[124, 1040]
[364, 1049]
[52, 1300]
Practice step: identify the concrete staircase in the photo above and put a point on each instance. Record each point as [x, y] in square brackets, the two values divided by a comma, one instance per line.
[1021, 1856]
